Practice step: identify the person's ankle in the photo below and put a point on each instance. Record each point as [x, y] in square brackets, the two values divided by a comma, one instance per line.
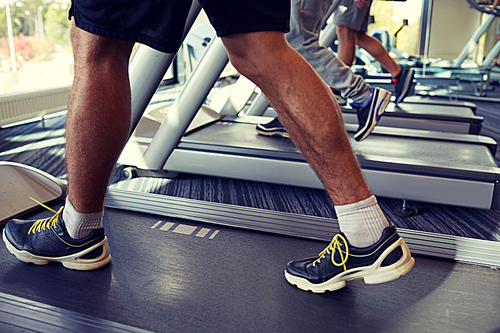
[398, 74]
[79, 225]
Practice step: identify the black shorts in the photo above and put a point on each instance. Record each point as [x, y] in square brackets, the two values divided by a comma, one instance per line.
[160, 23]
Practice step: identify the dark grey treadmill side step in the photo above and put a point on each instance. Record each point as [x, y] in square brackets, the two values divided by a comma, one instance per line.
[23, 315]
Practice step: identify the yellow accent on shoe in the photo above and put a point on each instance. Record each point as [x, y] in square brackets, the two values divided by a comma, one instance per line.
[41, 224]
[335, 244]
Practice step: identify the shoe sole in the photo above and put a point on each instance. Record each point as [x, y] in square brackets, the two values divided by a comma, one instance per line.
[374, 116]
[73, 261]
[372, 274]
[273, 133]
[406, 86]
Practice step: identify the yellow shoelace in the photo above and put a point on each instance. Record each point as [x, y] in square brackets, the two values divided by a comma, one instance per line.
[334, 245]
[45, 223]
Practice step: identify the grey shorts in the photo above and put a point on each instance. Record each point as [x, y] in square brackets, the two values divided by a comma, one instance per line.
[160, 23]
[348, 14]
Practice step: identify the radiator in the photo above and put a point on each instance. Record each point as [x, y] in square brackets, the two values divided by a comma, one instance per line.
[17, 107]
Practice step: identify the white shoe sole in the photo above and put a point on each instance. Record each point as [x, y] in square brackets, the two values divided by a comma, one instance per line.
[372, 274]
[73, 261]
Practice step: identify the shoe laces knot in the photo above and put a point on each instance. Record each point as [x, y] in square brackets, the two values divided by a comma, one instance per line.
[336, 244]
[41, 224]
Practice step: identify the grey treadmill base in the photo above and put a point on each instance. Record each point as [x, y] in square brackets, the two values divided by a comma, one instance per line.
[443, 118]
[444, 94]
[465, 249]
[19, 182]
[403, 167]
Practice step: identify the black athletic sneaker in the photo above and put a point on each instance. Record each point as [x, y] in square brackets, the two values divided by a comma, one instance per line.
[402, 83]
[273, 128]
[370, 111]
[339, 262]
[45, 240]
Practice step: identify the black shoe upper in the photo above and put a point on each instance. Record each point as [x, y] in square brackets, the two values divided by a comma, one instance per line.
[273, 125]
[403, 83]
[51, 241]
[318, 270]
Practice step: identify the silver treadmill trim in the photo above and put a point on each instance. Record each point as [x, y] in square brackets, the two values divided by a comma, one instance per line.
[477, 251]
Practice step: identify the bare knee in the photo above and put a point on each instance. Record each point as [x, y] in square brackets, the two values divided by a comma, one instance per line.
[252, 54]
[92, 50]
[360, 38]
[345, 33]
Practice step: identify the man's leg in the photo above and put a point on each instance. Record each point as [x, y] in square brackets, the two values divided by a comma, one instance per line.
[313, 119]
[97, 128]
[305, 105]
[378, 51]
[346, 48]
[97, 124]
[349, 38]
[98, 120]
[308, 18]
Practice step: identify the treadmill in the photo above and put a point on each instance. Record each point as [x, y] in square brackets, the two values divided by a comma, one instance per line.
[19, 182]
[437, 167]
[417, 113]
[422, 165]
[413, 113]
[444, 118]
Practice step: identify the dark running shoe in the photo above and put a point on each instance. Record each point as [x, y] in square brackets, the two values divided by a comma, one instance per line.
[370, 111]
[384, 261]
[45, 240]
[273, 128]
[338, 96]
[402, 83]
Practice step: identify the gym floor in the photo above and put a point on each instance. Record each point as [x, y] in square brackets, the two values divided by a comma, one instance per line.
[171, 275]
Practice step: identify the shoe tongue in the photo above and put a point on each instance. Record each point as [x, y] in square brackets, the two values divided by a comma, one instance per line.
[60, 223]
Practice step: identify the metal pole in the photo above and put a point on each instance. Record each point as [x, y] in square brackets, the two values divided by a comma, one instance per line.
[147, 69]
[474, 40]
[185, 107]
[428, 4]
[11, 39]
[492, 55]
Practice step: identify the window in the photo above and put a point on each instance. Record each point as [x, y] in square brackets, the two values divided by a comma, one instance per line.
[389, 15]
[42, 56]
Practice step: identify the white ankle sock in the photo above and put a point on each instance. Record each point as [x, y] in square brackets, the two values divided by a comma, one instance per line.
[80, 225]
[362, 222]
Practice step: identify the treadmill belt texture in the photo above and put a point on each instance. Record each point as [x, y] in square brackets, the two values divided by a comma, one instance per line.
[170, 275]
